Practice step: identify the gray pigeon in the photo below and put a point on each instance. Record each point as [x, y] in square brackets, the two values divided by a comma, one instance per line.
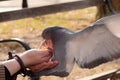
[90, 47]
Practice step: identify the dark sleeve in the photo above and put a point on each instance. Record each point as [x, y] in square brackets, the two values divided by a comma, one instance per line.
[2, 72]
[7, 74]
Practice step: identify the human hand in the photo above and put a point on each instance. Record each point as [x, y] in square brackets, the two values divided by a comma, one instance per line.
[44, 65]
[34, 59]
[35, 56]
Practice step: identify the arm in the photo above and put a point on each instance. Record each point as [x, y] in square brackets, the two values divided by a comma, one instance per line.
[35, 59]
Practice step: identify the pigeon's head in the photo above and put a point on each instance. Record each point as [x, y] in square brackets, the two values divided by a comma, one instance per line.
[50, 36]
[49, 32]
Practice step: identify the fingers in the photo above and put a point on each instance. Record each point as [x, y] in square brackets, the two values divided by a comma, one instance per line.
[44, 65]
[51, 51]
[35, 56]
[48, 52]
[46, 55]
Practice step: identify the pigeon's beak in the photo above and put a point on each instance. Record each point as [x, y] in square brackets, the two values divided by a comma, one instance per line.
[47, 44]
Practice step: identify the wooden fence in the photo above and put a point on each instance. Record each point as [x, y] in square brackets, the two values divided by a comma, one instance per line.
[42, 8]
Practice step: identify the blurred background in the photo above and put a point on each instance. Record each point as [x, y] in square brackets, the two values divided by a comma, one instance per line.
[29, 30]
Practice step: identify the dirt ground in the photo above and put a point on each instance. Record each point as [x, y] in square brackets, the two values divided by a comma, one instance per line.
[28, 31]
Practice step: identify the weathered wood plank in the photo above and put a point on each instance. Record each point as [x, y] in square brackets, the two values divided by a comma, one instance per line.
[31, 3]
[11, 5]
[37, 11]
[4, 0]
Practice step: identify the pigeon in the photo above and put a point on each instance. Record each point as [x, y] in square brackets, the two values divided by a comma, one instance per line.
[90, 47]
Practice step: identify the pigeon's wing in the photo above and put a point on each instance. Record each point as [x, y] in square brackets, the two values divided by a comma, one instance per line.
[93, 46]
[112, 23]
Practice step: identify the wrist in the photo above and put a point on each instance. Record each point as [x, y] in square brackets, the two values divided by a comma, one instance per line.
[25, 60]
[22, 67]
[9, 64]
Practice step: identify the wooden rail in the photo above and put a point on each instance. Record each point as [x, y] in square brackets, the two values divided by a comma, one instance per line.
[47, 9]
